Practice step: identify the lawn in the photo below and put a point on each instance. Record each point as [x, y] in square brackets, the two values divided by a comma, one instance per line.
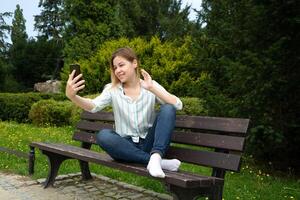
[253, 182]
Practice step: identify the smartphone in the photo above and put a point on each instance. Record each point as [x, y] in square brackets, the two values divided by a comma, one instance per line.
[75, 67]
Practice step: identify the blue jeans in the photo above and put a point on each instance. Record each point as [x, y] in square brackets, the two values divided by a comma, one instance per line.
[157, 140]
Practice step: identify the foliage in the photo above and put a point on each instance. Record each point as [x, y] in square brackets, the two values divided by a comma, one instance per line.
[4, 28]
[17, 52]
[51, 21]
[18, 29]
[164, 61]
[253, 60]
[4, 64]
[16, 106]
[89, 24]
[50, 113]
[148, 18]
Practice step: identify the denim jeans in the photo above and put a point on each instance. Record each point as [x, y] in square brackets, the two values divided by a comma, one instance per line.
[157, 140]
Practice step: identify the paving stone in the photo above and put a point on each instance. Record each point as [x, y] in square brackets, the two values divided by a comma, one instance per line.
[71, 186]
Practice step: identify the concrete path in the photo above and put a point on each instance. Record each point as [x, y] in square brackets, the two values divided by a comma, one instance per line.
[71, 187]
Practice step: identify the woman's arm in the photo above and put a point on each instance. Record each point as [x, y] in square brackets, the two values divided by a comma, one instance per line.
[164, 95]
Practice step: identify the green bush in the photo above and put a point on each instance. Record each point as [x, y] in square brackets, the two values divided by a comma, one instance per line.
[51, 113]
[58, 113]
[16, 106]
[163, 60]
[192, 106]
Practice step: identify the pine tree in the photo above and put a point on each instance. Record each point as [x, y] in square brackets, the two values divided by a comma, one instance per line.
[51, 21]
[4, 28]
[17, 51]
[18, 30]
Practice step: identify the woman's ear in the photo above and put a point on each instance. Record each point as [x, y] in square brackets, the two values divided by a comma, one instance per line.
[135, 64]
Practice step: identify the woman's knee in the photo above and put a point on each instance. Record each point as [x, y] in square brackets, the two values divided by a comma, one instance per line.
[104, 137]
[168, 109]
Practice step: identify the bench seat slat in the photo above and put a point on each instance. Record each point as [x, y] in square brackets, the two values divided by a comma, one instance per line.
[206, 158]
[181, 179]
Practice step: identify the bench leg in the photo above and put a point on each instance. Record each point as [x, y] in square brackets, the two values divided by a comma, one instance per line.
[180, 193]
[54, 160]
[84, 166]
[85, 170]
[217, 193]
[31, 160]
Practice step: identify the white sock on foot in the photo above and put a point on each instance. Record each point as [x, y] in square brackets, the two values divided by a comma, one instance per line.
[171, 165]
[154, 166]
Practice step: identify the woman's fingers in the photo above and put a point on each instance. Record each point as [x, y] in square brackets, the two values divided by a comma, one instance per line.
[79, 83]
[76, 78]
[79, 88]
[71, 76]
[145, 74]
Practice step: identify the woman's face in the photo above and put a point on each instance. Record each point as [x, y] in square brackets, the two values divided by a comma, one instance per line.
[123, 69]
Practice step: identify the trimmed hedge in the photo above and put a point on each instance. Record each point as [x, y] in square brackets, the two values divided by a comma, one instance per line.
[55, 110]
[50, 112]
[16, 106]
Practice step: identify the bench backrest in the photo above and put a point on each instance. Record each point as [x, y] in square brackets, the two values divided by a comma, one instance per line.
[208, 141]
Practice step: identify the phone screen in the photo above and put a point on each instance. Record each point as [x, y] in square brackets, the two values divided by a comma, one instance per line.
[75, 67]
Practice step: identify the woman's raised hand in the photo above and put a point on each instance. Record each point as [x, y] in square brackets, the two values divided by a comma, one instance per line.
[147, 83]
[73, 86]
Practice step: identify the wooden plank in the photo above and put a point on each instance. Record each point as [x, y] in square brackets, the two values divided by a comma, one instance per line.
[206, 158]
[85, 137]
[176, 178]
[93, 126]
[232, 125]
[200, 139]
[209, 140]
[102, 116]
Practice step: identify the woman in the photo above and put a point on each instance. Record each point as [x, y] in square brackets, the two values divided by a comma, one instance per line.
[141, 135]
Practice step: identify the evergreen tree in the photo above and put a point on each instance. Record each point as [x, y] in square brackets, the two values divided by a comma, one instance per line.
[251, 50]
[18, 30]
[89, 24]
[51, 21]
[17, 51]
[147, 18]
[51, 26]
[4, 28]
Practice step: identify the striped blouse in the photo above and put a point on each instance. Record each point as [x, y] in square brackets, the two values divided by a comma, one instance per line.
[132, 118]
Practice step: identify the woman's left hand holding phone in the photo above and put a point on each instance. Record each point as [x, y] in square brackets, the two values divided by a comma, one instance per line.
[73, 85]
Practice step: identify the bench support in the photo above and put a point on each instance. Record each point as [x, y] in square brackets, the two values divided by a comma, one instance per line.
[54, 160]
[84, 166]
[31, 160]
[180, 193]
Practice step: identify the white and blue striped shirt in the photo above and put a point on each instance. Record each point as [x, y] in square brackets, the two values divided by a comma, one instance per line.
[132, 118]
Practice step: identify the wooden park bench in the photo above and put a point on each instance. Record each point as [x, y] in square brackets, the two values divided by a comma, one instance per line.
[207, 141]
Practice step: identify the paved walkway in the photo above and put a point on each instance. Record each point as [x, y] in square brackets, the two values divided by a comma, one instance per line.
[71, 187]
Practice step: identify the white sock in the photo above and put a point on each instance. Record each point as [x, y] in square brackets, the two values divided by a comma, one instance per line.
[154, 166]
[171, 165]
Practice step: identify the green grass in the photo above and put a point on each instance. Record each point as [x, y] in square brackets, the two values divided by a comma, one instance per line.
[253, 182]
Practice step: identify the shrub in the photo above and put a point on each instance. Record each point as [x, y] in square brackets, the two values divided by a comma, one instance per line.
[163, 60]
[192, 106]
[51, 113]
[16, 106]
